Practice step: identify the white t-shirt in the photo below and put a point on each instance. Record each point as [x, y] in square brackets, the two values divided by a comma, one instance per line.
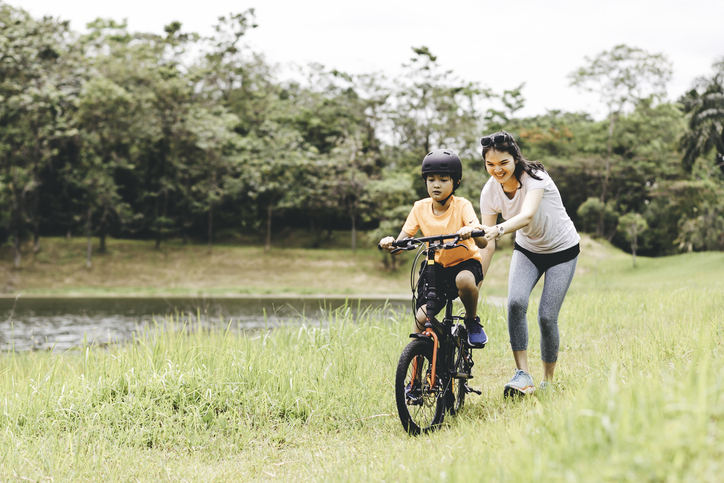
[551, 229]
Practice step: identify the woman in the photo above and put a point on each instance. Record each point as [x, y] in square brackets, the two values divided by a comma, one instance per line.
[545, 242]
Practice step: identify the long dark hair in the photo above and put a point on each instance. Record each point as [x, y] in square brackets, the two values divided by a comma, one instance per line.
[511, 147]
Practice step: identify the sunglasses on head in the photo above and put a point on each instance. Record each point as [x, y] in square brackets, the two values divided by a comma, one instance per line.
[496, 140]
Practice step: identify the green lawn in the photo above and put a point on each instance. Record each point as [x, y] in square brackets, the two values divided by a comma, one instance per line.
[640, 396]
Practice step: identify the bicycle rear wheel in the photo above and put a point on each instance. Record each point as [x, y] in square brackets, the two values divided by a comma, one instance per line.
[418, 405]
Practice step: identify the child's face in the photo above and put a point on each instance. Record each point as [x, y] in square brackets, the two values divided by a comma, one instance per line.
[439, 186]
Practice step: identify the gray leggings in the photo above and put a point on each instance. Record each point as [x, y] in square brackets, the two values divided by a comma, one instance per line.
[523, 277]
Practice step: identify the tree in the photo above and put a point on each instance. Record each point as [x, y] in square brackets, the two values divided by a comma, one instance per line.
[632, 225]
[432, 108]
[704, 107]
[103, 117]
[623, 76]
[217, 168]
[391, 201]
[36, 88]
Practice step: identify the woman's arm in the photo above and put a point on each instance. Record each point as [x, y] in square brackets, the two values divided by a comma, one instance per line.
[522, 219]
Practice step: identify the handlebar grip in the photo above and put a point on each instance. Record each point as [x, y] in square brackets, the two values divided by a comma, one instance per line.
[477, 233]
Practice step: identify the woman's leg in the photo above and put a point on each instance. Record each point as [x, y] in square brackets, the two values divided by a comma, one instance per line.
[557, 281]
[523, 277]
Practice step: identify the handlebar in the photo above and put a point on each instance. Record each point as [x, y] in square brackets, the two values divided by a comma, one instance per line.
[412, 242]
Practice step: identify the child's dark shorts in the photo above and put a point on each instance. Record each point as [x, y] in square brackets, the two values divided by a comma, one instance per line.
[445, 281]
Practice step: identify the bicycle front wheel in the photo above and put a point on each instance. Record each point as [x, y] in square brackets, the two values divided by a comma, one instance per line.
[418, 404]
[455, 394]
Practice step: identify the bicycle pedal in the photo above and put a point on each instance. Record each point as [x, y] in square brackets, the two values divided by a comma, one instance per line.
[469, 389]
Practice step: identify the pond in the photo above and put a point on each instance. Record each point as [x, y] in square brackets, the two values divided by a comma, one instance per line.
[59, 323]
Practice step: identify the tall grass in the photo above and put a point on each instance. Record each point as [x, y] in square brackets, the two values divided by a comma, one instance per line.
[640, 397]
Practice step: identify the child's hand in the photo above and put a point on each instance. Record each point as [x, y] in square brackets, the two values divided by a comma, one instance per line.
[386, 243]
[465, 231]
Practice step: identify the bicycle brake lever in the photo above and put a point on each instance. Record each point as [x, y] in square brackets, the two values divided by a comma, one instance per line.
[455, 245]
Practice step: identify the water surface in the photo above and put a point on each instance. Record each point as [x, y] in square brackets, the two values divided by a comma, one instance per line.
[30, 323]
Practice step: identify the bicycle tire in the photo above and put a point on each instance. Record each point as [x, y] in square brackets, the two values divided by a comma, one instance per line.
[427, 412]
[455, 393]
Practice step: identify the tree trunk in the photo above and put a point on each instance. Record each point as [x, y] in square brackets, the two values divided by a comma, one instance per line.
[354, 233]
[16, 220]
[68, 234]
[160, 228]
[607, 173]
[89, 247]
[102, 231]
[211, 220]
[184, 228]
[267, 246]
[16, 248]
[36, 222]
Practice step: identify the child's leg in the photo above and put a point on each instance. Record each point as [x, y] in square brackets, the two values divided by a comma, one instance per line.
[468, 283]
[468, 292]
[420, 319]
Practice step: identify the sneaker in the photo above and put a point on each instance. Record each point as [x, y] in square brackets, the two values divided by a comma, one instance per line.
[521, 384]
[413, 394]
[546, 387]
[477, 337]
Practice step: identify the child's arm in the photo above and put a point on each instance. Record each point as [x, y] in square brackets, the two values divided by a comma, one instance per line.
[386, 242]
[470, 224]
[466, 231]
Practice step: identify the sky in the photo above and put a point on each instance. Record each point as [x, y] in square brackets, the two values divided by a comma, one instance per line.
[499, 45]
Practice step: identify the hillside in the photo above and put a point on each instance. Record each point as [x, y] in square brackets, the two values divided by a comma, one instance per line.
[135, 268]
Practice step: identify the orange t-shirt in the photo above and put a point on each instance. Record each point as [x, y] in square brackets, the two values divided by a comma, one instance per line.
[460, 213]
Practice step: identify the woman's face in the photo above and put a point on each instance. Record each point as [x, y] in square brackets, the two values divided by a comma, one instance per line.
[501, 166]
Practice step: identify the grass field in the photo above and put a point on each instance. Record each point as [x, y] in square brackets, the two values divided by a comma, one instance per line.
[639, 394]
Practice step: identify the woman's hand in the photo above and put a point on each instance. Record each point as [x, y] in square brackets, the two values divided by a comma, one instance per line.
[491, 232]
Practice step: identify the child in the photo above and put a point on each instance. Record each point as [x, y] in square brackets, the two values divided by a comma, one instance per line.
[458, 269]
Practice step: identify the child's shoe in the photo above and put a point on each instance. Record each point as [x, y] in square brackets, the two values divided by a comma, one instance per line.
[477, 338]
[413, 393]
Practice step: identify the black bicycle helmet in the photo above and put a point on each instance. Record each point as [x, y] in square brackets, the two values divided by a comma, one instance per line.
[443, 161]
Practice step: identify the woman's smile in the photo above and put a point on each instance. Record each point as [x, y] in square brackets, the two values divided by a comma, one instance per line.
[501, 166]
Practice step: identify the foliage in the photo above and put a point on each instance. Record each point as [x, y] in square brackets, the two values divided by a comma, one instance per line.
[136, 135]
[704, 106]
[632, 225]
[624, 76]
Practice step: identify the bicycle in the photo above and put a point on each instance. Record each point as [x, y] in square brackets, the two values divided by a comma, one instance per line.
[434, 369]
